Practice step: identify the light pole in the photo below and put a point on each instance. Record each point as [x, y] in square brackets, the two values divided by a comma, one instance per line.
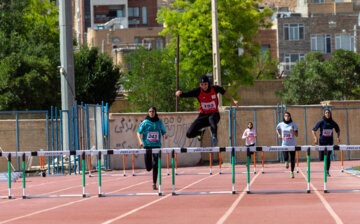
[215, 47]
[177, 70]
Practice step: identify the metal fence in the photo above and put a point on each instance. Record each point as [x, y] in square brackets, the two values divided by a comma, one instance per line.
[265, 120]
[83, 127]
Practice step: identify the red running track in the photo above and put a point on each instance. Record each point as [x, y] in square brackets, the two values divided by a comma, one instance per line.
[315, 207]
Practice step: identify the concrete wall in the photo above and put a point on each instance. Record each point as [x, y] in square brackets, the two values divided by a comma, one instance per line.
[262, 93]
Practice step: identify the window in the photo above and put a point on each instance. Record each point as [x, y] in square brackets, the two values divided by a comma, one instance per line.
[321, 43]
[294, 31]
[134, 22]
[133, 12]
[120, 13]
[116, 40]
[148, 43]
[159, 43]
[344, 41]
[264, 49]
[144, 15]
[318, 1]
[137, 40]
[291, 59]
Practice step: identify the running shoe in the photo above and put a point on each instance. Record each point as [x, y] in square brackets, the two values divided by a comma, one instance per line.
[214, 141]
[154, 187]
[200, 137]
[328, 174]
[287, 165]
[292, 175]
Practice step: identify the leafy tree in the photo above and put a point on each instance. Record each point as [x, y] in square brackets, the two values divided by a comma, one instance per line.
[308, 81]
[151, 78]
[344, 69]
[313, 79]
[96, 77]
[239, 22]
[28, 55]
[265, 68]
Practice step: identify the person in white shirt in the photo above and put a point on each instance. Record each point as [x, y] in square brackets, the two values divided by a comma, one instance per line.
[287, 131]
[250, 135]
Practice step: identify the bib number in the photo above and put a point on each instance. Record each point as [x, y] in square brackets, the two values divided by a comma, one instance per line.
[287, 135]
[153, 136]
[327, 132]
[208, 106]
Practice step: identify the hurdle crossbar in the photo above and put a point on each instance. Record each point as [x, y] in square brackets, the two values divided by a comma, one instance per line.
[136, 151]
[207, 149]
[278, 148]
[84, 194]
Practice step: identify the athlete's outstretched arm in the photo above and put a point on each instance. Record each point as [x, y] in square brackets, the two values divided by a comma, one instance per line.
[230, 98]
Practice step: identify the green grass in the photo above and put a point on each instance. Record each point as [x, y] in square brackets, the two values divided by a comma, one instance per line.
[357, 168]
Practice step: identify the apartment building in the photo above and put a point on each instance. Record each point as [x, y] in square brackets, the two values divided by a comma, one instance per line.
[117, 26]
[316, 25]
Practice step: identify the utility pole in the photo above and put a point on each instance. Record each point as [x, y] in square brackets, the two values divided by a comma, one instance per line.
[67, 67]
[177, 70]
[215, 47]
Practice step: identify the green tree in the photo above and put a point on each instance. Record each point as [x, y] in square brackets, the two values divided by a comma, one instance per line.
[96, 77]
[151, 79]
[265, 68]
[239, 22]
[344, 69]
[308, 82]
[28, 55]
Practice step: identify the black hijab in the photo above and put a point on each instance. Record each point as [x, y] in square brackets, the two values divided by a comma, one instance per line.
[327, 119]
[154, 119]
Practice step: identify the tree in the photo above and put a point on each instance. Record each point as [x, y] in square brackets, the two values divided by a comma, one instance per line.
[344, 68]
[239, 22]
[308, 81]
[96, 77]
[151, 79]
[28, 55]
[265, 68]
[313, 79]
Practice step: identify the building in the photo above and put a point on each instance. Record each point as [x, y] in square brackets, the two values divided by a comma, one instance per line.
[316, 25]
[118, 26]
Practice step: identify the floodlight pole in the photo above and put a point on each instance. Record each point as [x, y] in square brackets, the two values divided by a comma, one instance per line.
[215, 47]
[67, 66]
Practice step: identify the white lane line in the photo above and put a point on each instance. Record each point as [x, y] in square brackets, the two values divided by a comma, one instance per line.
[70, 203]
[236, 202]
[324, 202]
[63, 189]
[153, 202]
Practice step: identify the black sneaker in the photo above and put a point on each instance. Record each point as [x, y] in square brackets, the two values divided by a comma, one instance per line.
[200, 137]
[154, 187]
[328, 174]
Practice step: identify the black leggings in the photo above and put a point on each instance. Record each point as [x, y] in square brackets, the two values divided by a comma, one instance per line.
[292, 158]
[321, 158]
[202, 121]
[150, 163]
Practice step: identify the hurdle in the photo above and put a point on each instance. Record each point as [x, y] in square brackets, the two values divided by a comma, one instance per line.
[277, 148]
[8, 156]
[334, 148]
[109, 175]
[210, 166]
[206, 149]
[220, 172]
[130, 151]
[54, 153]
